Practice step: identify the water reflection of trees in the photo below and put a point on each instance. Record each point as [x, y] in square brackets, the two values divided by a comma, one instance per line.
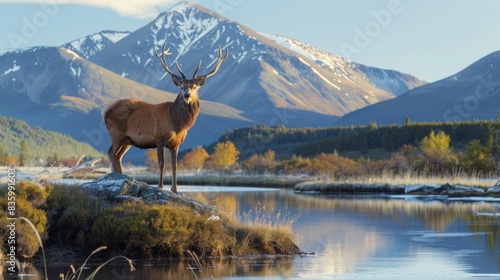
[181, 270]
[490, 225]
[437, 215]
[218, 268]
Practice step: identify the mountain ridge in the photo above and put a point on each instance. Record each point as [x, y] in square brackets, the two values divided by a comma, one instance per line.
[195, 32]
[377, 76]
[89, 45]
[470, 94]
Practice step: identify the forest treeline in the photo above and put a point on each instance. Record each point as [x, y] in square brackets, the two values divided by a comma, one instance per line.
[468, 148]
[308, 142]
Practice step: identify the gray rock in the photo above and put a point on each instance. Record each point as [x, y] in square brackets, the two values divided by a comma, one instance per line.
[465, 191]
[494, 191]
[434, 189]
[112, 185]
[117, 188]
[446, 189]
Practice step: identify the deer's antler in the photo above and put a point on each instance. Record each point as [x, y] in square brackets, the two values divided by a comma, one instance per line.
[161, 56]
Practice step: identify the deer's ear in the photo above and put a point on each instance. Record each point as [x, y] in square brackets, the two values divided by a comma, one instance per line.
[177, 81]
[200, 81]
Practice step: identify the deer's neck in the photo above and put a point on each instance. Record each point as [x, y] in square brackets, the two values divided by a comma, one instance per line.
[184, 115]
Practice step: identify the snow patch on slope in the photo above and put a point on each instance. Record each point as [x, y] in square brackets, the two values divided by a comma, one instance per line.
[319, 74]
[324, 79]
[88, 46]
[387, 80]
[335, 63]
[14, 68]
[115, 36]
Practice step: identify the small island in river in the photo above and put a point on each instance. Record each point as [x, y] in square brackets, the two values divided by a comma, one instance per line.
[133, 219]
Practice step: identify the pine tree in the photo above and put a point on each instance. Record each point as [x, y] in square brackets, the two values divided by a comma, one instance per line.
[407, 121]
[23, 155]
[2, 156]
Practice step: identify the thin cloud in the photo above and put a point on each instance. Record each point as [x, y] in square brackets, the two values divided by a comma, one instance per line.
[125, 8]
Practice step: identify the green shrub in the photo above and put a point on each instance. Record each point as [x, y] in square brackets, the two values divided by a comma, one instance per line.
[30, 203]
[72, 212]
[159, 229]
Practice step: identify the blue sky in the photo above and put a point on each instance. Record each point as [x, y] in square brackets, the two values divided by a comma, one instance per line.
[429, 39]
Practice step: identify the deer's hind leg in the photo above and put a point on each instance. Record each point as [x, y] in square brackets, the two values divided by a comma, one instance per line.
[116, 153]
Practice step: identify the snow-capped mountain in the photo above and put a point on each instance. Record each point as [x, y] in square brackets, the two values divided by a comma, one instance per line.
[471, 94]
[389, 80]
[260, 76]
[263, 81]
[88, 46]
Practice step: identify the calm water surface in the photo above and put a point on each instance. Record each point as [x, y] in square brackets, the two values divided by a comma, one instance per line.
[369, 237]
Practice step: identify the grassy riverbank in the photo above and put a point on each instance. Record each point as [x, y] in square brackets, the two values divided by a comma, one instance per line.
[381, 184]
[224, 180]
[71, 218]
[449, 186]
[388, 184]
[205, 179]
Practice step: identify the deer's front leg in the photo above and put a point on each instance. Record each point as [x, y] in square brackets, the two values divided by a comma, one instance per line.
[160, 152]
[173, 162]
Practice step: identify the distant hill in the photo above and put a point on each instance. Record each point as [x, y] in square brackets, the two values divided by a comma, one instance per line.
[41, 143]
[471, 94]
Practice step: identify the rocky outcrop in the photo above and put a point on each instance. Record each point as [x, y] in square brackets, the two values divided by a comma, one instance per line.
[446, 190]
[416, 189]
[325, 187]
[115, 187]
[494, 191]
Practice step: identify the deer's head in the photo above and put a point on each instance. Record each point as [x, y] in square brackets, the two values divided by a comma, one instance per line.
[189, 87]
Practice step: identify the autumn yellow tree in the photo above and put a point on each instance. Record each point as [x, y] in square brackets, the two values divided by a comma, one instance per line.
[334, 165]
[152, 160]
[195, 159]
[10, 160]
[435, 142]
[225, 155]
[260, 163]
[436, 151]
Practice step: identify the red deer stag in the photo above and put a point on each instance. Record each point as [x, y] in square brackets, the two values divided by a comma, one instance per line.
[132, 122]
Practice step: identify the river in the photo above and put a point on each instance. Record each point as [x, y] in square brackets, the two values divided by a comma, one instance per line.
[348, 237]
